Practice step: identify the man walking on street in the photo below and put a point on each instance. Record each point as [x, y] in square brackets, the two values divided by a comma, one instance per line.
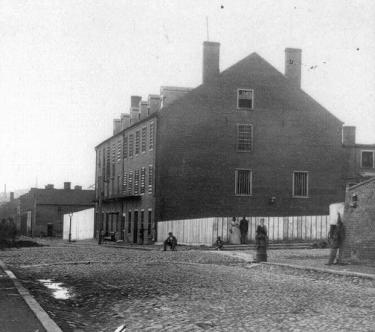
[244, 226]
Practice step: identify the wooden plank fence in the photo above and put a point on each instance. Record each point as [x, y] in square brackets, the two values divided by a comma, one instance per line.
[204, 231]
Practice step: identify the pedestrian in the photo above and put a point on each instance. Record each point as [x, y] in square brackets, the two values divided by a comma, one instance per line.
[101, 236]
[171, 241]
[244, 226]
[261, 239]
[336, 236]
[235, 233]
[341, 238]
[219, 245]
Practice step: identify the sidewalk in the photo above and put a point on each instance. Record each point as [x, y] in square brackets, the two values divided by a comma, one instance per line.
[307, 259]
[15, 314]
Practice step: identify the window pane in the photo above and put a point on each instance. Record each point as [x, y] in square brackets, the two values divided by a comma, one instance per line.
[367, 159]
[144, 139]
[244, 137]
[245, 98]
[137, 141]
[243, 182]
[300, 180]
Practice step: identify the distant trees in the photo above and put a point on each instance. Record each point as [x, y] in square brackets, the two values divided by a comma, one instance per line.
[8, 233]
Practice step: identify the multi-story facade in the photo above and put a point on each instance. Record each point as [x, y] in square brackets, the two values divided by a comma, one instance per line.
[247, 142]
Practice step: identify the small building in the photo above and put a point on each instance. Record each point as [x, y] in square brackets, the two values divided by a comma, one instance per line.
[359, 222]
[40, 211]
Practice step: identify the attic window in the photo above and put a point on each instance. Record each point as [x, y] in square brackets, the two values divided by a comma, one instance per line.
[245, 99]
[367, 159]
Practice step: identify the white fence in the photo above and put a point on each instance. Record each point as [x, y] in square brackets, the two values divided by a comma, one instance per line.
[82, 227]
[204, 231]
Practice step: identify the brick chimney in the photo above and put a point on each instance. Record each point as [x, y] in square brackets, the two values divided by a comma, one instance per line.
[153, 103]
[293, 62]
[116, 126]
[143, 108]
[67, 185]
[134, 108]
[348, 135]
[211, 61]
[125, 120]
[11, 196]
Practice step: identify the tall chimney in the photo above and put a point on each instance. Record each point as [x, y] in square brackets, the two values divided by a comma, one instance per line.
[125, 120]
[11, 197]
[293, 62]
[67, 185]
[143, 107]
[116, 126]
[211, 61]
[134, 108]
[154, 103]
[348, 135]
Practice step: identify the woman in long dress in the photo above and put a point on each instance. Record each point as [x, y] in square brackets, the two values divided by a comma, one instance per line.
[235, 233]
[261, 242]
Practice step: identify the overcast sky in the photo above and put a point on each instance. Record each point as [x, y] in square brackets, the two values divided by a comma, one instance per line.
[67, 68]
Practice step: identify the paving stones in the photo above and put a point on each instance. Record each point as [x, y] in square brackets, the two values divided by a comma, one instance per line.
[189, 291]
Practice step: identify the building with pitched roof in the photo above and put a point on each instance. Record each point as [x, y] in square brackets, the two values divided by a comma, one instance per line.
[248, 141]
[40, 212]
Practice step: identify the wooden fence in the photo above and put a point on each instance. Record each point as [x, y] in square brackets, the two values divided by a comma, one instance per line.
[204, 231]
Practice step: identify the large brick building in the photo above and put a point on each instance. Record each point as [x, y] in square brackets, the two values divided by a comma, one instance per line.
[247, 141]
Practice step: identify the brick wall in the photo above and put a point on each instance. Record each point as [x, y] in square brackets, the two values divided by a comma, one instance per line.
[359, 222]
[197, 157]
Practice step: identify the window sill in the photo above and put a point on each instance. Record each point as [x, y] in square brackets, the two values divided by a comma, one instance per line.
[244, 109]
[243, 195]
[301, 197]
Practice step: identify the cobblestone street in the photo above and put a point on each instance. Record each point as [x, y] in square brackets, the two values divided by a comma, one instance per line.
[188, 290]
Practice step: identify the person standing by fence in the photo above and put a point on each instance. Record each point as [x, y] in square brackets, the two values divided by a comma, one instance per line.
[244, 227]
[261, 239]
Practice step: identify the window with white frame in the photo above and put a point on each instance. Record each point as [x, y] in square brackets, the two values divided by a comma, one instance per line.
[136, 182]
[243, 182]
[245, 99]
[119, 148]
[130, 183]
[300, 184]
[150, 178]
[125, 183]
[244, 137]
[367, 159]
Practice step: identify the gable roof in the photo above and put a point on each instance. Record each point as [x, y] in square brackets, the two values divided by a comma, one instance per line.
[262, 74]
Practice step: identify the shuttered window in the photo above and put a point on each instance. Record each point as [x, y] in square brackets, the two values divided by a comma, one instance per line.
[144, 139]
[125, 183]
[243, 182]
[131, 145]
[125, 147]
[119, 148]
[130, 183]
[143, 180]
[300, 184]
[151, 138]
[136, 182]
[150, 179]
[244, 137]
[137, 141]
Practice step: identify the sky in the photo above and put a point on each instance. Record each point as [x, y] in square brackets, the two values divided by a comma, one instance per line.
[69, 67]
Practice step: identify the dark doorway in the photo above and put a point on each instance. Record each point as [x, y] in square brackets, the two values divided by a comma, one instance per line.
[49, 230]
[135, 227]
[122, 236]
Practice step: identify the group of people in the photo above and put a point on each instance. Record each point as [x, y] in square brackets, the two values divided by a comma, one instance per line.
[238, 235]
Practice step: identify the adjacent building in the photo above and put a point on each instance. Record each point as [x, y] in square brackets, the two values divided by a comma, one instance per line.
[359, 221]
[40, 212]
[248, 141]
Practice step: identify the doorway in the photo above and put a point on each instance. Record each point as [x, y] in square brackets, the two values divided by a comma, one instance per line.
[49, 230]
[135, 227]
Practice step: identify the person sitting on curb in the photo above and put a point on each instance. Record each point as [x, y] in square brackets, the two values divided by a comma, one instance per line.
[170, 241]
[219, 245]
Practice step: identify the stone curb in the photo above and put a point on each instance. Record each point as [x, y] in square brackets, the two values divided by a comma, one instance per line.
[41, 315]
[322, 270]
